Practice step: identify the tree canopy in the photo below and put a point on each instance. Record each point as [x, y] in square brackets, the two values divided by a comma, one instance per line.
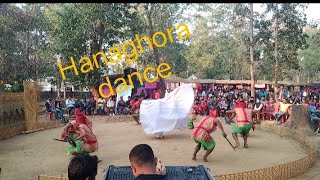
[34, 36]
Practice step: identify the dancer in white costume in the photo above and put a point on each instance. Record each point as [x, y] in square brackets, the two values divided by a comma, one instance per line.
[171, 112]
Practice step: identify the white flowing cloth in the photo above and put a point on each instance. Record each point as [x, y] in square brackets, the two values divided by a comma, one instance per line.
[169, 113]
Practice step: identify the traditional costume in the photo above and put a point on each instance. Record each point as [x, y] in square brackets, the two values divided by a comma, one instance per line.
[169, 113]
[243, 121]
[201, 134]
[87, 143]
[191, 119]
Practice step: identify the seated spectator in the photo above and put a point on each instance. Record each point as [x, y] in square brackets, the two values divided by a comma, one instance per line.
[132, 102]
[143, 163]
[70, 105]
[142, 94]
[284, 107]
[127, 106]
[305, 102]
[84, 104]
[58, 104]
[110, 106]
[83, 167]
[91, 106]
[258, 105]
[251, 103]
[121, 105]
[57, 112]
[263, 101]
[100, 106]
[314, 119]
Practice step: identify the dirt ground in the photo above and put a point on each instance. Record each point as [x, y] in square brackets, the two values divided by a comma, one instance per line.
[25, 156]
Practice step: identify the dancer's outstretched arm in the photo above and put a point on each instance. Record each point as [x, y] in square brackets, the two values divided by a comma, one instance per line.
[65, 130]
[221, 127]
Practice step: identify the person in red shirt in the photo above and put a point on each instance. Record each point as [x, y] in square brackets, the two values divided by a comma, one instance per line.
[241, 103]
[156, 95]
[203, 106]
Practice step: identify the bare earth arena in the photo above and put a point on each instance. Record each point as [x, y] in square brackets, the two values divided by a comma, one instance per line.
[25, 156]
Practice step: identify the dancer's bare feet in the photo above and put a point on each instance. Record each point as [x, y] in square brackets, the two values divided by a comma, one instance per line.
[237, 145]
[194, 157]
[246, 145]
[205, 159]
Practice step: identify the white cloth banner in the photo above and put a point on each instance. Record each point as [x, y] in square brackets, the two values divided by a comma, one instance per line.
[169, 113]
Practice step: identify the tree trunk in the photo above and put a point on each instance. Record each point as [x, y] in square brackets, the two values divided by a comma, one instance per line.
[64, 90]
[155, 49]
[276, 67]
[58, 88]
[94, 92]
[251, 52]
[299, 119]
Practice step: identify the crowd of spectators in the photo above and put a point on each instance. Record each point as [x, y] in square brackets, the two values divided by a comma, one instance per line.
[224, 99]
[100, 106]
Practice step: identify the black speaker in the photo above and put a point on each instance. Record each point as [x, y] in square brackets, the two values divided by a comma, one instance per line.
[172, 173]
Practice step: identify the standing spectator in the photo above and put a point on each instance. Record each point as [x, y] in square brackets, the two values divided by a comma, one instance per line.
[100, 106]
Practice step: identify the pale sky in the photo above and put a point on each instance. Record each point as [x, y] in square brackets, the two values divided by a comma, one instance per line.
[312, 12]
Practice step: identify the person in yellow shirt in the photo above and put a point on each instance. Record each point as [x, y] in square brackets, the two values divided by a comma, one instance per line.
[284, 106]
